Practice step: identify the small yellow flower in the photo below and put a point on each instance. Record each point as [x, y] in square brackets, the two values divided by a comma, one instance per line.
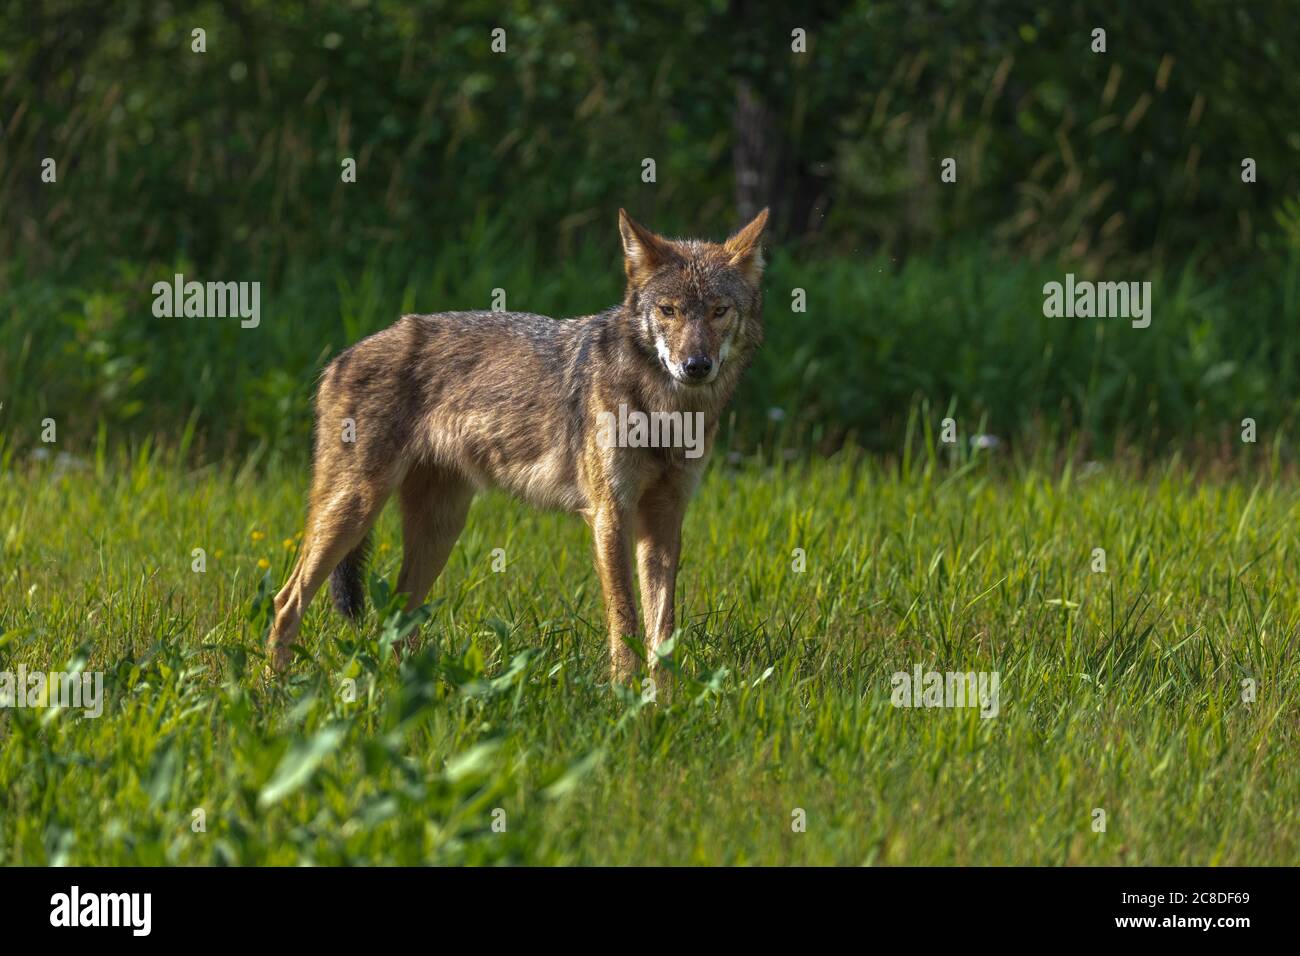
[218, 553]
[258, 535]
[263, 563]
[384, 547]
[298, 536]
[288, 544]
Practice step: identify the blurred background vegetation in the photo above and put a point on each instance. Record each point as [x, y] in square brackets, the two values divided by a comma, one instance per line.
[478, 170]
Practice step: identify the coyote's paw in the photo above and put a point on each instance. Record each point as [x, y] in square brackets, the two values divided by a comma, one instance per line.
[278, 658]
[623, 672]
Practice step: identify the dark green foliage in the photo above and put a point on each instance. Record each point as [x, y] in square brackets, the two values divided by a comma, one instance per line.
[479, 170]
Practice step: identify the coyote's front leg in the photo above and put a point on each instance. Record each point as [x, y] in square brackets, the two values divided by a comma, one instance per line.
[610, 529]
[658, 550]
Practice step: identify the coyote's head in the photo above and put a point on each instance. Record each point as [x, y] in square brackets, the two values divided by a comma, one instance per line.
[695, 305]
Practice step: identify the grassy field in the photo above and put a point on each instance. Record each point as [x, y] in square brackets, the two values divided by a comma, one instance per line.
[1120, 690]
[964, 330]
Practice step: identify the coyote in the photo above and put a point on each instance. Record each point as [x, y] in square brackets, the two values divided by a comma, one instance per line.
[437, 406]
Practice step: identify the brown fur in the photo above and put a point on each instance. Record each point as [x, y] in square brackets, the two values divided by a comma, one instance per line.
[444, 404]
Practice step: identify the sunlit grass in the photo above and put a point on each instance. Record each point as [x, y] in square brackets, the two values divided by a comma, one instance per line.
[1120, 691]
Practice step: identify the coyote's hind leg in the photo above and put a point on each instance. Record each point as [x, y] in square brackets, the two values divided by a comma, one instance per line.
[336, 525]
[434, 505]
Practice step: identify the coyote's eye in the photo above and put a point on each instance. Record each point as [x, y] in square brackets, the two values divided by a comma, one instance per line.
[720, 310]
[667, 310]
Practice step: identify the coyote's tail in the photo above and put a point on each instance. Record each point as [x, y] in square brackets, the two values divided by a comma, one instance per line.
[347, 582]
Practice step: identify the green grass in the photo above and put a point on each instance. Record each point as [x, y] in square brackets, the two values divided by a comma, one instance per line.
[964, 330]
[1119, 690]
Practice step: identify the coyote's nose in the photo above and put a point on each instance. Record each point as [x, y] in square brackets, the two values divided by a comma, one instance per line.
[698, 366]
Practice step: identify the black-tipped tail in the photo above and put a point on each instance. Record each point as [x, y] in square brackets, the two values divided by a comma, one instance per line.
[347, 582]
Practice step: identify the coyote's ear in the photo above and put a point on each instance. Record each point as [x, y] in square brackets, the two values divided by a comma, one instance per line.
[746, 248]
[643, 251]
